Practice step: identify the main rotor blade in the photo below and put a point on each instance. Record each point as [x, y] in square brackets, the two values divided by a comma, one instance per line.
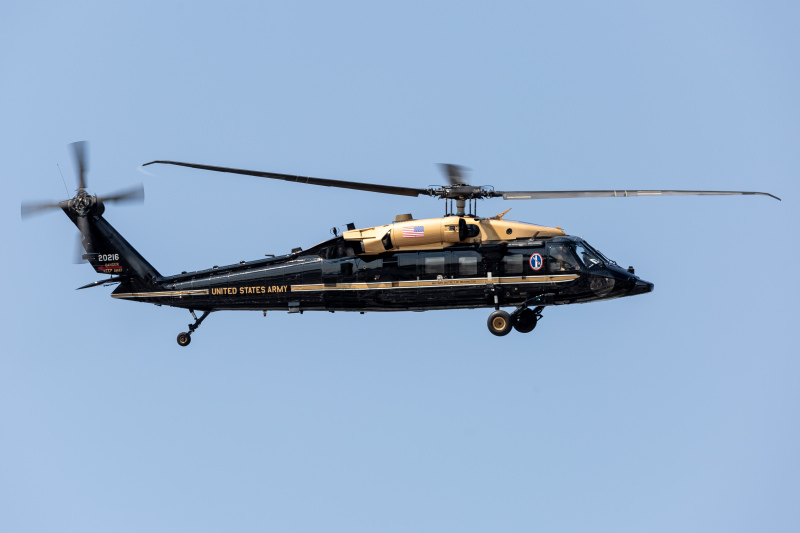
[371, 187]
[28, 209]
[126, 195]
[540, 195]
[79, 149]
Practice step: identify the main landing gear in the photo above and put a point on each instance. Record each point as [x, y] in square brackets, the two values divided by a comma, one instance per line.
[185, 338]
[523, 320]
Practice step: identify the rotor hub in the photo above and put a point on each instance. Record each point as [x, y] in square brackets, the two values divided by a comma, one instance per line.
[463, 192]
[82, 203]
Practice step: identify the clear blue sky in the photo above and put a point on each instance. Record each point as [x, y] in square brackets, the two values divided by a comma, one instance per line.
[673, 411]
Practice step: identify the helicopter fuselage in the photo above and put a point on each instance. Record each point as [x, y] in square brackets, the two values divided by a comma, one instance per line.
[333, 277]
[410, 265]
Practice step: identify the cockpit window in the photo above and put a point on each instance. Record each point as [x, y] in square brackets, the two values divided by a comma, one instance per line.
[562, 258]
[599, 254]
[588, 257]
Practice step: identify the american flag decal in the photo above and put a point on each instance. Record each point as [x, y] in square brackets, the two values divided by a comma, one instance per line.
[413, 231]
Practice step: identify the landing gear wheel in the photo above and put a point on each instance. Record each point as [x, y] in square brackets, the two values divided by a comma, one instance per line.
[526, 321]
[184, 339]
[499, 323]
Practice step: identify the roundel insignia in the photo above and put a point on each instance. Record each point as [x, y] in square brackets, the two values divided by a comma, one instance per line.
[536, 261]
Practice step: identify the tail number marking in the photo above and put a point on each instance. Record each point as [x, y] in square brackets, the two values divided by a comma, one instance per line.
[108, 257]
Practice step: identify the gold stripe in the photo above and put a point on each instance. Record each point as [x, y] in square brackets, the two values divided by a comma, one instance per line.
[198, 292]
[364, 286]
[432, 283]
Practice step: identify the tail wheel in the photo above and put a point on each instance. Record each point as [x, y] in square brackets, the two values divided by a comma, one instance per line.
[499, 323]
[526, 320]
[184, 339]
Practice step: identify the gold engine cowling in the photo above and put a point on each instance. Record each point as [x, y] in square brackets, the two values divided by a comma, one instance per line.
[436, 233]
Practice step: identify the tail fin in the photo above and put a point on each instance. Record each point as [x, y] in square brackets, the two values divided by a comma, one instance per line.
[108, 252]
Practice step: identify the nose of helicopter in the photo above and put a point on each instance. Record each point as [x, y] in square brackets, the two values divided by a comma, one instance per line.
[641, 287]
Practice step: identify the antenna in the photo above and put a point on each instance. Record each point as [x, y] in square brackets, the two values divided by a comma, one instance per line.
[62, 179]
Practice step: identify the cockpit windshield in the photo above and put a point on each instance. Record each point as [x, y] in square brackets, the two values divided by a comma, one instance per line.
[599, 254]
[587, 255]
[566, 256]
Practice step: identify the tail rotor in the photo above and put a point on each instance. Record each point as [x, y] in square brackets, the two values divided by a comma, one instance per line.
[81, 207]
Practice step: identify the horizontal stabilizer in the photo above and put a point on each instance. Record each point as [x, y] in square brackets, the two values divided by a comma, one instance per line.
[109, 281]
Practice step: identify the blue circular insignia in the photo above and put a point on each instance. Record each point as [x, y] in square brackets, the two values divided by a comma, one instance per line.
[536, 261]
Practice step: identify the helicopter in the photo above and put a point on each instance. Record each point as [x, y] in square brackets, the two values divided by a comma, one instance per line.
[458, 261]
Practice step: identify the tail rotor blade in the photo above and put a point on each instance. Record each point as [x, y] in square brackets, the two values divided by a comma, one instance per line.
[79, 251]
[134, 194]
[79, 150]
[86, 232]
[28, 209]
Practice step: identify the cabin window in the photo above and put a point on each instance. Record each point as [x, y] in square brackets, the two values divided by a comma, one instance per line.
[433, 264]
[467, 263]
[562, 258]
[512, 264]
[405, 267]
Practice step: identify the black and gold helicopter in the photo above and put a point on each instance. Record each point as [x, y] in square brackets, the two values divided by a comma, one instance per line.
[453, 262]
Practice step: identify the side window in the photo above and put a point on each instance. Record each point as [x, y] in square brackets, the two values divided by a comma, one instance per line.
[512, 263]
[433, 265]
[562, 258]
[466, 263]
[406, 266]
